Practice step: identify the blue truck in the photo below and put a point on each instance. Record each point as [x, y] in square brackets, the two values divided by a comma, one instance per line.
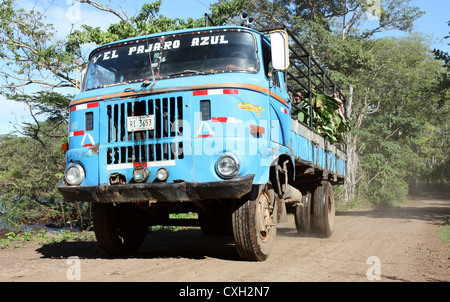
[204, 121]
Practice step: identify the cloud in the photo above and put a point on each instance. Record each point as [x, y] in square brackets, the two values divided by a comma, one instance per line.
[72, 15]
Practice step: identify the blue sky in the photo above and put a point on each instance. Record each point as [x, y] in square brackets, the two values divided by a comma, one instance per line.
[434, 22]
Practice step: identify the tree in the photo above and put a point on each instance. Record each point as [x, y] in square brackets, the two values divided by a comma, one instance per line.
[437, 142]
[341, 17]
[445, 80]
[30, 51]
[29, 171]
[52, 105]
[398, 100]
[32, 164]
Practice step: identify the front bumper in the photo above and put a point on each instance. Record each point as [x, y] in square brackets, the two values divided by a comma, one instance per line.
[152, 192]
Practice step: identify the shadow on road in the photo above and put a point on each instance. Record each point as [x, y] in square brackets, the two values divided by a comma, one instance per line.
[192, 244]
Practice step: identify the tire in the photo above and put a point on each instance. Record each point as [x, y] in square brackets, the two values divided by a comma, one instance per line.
[302, 214]
[253, 223]
[323, 210]
[118, 229]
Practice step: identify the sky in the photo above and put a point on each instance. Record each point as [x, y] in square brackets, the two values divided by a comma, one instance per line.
[62, 13]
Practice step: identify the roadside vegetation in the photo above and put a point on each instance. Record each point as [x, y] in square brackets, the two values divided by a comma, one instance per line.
[399, 127]
[17, 240]
[444, 232]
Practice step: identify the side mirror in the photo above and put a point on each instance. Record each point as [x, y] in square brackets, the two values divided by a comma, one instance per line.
[82, 77]
[280, 50]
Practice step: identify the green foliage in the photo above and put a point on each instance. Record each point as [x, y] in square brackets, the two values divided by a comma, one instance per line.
[398, 116]
[444, 232]
[163, 228]
[28, 174]
[44, 237]
[49, 238]
[222, 12]
[18, 238]
[50, 104]
[384, 174]
[32, 164]
[435, 143]
[326, 116]
[29, 169]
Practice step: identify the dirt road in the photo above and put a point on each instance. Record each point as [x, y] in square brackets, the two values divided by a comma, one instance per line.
[391, 245]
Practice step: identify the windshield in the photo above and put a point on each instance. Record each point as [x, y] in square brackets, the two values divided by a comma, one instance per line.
[193, 53]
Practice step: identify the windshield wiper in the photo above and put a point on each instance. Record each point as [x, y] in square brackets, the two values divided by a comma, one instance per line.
[144, 85]
[187, 71]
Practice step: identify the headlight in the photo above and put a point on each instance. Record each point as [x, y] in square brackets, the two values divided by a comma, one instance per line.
[162, 174]
[75, 174]
[227, 166]
[141, 174]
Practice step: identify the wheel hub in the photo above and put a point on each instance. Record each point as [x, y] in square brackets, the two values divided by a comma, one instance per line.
[264, 216]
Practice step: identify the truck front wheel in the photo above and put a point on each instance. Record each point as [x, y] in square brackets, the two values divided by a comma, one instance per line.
[119, 229]
[253, 223]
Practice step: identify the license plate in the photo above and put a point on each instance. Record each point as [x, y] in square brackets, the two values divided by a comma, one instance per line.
[140, 123]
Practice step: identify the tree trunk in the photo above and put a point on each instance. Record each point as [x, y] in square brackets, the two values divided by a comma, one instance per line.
[348, 189]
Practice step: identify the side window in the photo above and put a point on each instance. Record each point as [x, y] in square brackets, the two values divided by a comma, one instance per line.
[267, 58]
[89, 121]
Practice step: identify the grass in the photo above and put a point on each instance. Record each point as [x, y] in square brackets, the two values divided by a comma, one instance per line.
[444, 232]
[164, 228]
[18, 240]
[44, 237]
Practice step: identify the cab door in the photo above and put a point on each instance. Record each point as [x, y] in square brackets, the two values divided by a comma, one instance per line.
[279, 109]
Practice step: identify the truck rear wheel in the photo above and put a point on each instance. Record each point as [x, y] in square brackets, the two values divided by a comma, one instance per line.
[118, 229]
[302, 214]
[253, 222]
[323, 209]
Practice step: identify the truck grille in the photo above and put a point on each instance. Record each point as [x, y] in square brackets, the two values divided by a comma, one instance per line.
[144, 153]
[168, 114]
[168, 119]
